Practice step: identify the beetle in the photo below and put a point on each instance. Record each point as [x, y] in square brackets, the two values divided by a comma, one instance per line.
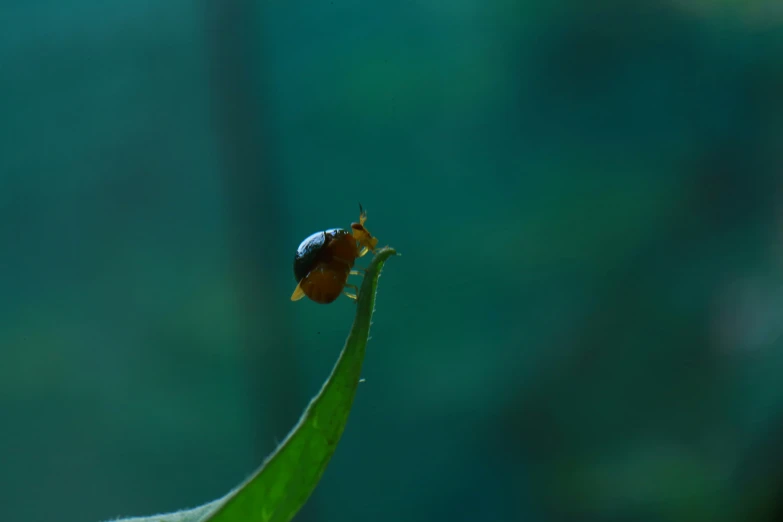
[324, 261]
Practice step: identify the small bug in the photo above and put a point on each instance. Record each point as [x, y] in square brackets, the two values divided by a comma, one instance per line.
[325, 259]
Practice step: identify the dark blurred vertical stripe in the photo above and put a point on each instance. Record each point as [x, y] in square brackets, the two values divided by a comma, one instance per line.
[254, 217]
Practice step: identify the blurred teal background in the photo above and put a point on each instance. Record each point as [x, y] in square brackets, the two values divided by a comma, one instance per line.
[587, 320]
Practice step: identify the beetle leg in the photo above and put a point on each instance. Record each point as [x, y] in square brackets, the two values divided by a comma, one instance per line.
[354, 288]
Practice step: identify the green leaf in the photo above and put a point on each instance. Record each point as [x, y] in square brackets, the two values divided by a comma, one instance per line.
[283, 483]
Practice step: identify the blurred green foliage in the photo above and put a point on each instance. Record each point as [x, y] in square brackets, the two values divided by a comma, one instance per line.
[588, 196]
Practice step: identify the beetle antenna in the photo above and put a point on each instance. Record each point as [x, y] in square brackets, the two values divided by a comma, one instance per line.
[362, 214]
